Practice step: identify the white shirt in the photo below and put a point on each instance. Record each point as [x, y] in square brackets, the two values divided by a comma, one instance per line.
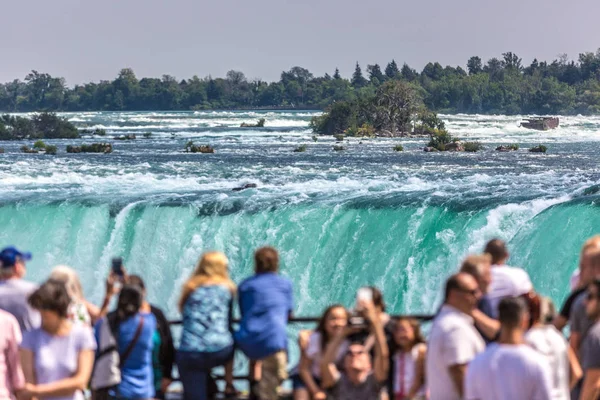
[453, 341]
[502, 372]
[507, 282]
[405, 370]
[548, 341]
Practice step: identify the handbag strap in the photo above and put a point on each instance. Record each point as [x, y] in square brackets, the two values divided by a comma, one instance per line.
[138, 332]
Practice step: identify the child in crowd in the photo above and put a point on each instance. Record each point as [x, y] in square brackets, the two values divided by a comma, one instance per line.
[407, 362]
[333, 321]
[266, 303]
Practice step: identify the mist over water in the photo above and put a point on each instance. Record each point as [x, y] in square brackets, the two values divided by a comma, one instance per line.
[368, 215]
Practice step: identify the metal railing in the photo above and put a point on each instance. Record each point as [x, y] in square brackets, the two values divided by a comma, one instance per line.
[301, 320]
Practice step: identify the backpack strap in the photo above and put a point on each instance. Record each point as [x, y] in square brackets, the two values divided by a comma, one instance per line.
[138, 332]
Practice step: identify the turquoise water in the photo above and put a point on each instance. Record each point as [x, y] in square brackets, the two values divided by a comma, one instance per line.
[368, 215]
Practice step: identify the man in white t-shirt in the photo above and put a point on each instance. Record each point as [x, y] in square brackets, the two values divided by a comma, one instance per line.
[506, 281]
[509, 369]
[453, 341]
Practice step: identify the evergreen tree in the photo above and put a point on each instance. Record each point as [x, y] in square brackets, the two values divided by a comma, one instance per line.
[392, 71]
[474, 65]
[409, 73]
[358, 80]
[336, 74]
[375, 75]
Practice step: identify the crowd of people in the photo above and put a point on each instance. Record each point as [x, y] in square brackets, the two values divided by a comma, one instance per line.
[493, 337]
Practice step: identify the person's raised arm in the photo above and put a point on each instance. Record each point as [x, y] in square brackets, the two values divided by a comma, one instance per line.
[381, 361]
[304, 369]
[111, 290]
[488, 326]
[66, 387]
[329, 372]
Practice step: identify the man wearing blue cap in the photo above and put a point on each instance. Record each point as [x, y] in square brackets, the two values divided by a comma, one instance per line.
[14, 291]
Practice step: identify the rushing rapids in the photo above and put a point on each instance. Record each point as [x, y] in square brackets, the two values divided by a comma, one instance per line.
[367, 215]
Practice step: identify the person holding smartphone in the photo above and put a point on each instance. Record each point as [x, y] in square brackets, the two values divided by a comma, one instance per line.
[362, 378]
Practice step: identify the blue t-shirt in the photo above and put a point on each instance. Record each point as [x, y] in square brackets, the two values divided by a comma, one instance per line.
[266, 300]
[137, 377]
[206, 319]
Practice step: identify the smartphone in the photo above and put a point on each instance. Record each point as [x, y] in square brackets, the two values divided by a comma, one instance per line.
[117, 266]
[363, 294]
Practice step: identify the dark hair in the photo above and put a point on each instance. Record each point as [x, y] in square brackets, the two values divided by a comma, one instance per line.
[136, 280]
[377, 298]
[415, 325]
[511, 311]
[497, 249]
[452, 283]
[266, 259]
[52, 295]
[322, 321]
[534, 306]
[130, 301]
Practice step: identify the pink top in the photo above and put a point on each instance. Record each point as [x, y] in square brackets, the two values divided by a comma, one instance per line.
[11, 374]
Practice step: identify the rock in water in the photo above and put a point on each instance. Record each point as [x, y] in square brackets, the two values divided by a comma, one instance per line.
[244, 187]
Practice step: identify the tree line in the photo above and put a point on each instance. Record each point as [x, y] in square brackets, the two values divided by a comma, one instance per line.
[501, 86]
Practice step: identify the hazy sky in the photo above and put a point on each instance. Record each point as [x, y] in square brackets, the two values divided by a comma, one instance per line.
[90, 40]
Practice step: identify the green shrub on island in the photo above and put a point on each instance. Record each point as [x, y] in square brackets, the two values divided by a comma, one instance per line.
[315, 139]
[339, 138]
[259, 124]
[398, 147]
[1, 150]
[300, 149]
[510, 147]
[39, 145]
[190, 147]
[39, 126]
[91, 148]
[439, 139]
[99, 132]
[51, 150]
[538, 149]
[472, 147]
[147, 135]
[366, 130]
[338, 148]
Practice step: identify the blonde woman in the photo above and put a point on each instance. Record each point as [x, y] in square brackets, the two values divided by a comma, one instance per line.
[206, 340]
[80, 310]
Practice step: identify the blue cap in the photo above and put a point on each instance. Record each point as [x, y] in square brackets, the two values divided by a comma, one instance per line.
[10, 255]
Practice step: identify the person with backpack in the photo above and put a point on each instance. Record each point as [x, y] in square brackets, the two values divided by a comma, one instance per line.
[125, 339]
